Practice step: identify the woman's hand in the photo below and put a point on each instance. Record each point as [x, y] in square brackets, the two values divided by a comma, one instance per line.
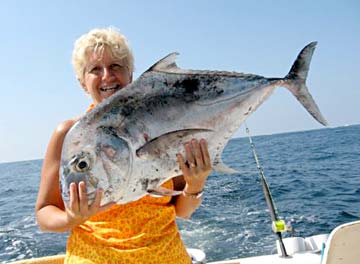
[79, 210]
[197, 166]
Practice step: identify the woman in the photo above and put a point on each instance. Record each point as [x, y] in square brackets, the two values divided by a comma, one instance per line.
[142, 231]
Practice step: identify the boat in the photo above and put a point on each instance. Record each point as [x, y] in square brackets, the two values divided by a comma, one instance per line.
[341, 246]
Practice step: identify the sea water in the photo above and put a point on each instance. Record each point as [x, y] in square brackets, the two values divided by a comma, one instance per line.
[314, 177]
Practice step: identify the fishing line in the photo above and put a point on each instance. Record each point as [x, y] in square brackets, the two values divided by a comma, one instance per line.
[278, 226]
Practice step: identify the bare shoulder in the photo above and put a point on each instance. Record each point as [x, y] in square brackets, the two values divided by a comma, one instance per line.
[65, 126]
[57, 138]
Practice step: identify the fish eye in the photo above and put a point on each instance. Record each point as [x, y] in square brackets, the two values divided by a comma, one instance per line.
[82, 165]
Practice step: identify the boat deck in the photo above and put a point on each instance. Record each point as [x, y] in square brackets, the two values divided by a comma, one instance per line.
[298, 258]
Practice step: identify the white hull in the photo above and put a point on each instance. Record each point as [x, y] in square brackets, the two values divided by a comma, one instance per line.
[342, 246]
[298, 258]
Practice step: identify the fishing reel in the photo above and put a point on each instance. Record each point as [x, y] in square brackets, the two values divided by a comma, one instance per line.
[280, 226]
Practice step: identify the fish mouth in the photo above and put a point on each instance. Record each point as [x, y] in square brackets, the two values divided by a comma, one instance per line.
[90, 197]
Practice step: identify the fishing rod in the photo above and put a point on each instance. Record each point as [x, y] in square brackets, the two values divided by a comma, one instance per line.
[278, 225]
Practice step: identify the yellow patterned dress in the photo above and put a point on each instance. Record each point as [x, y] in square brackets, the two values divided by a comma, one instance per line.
[143, 231]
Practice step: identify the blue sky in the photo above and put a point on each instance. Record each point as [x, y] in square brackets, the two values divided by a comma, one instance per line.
[39, 89]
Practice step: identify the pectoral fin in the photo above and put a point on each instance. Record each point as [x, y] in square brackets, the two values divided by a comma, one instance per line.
[161, 191]
[160, 146]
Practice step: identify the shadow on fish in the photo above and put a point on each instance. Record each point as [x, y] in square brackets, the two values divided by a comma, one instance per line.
[127, 144]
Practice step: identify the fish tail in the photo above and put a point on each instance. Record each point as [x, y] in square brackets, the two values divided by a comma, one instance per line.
[295, 82]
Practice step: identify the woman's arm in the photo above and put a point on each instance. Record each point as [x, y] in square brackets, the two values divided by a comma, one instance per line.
[49, 208]
[195, 169]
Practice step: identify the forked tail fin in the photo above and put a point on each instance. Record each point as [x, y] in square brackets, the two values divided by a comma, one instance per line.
[295, 82]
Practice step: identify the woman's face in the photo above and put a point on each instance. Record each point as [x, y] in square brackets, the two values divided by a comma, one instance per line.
[104, 75]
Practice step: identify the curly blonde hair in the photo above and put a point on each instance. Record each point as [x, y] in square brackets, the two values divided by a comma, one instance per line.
[97, 39]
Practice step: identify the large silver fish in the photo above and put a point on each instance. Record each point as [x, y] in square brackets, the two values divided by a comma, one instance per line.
[127, 145]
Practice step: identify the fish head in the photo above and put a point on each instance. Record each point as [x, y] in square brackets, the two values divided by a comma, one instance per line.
[76, 168]
[101, 160]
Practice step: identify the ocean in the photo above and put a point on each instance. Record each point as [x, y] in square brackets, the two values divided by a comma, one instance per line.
[314, 177]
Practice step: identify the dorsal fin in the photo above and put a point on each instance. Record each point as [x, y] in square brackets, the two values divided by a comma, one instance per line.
[166, 63]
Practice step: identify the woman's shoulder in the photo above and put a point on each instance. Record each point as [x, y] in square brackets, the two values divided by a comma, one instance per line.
[65, 126]
[53, 153]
